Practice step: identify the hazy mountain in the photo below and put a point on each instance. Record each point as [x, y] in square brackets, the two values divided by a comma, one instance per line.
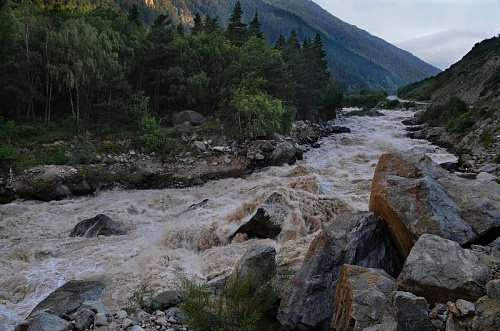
[356, 58]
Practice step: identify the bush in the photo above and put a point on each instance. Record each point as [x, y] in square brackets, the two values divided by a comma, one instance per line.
[487, 138]
[143, 298]
[8, 156]
[83, 152]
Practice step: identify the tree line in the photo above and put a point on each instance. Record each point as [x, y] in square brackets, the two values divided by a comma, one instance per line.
[102, 70]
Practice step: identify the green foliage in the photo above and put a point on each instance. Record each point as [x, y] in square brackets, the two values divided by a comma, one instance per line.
[453, 115]
[8, 155]
[487, 138]
[82, 152]
[364, 98]
[239, 306]
[497, 159]
[143, 298]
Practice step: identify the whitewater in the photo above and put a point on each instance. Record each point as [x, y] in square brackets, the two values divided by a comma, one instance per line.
[186, 232]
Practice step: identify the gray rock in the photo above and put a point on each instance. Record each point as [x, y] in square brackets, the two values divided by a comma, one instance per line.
[168, 299]
[200, 145]
[406, 312]
[188, 116]
[493, 288]
[359, 239]
[126, 323]
[176, 314]
[438, 324]
[466, 307]
[267, 220]
[97, 226]
[48, 322]
[415, 196]
[360, 297]
[100, 319]
[69, 297]
[97, 307]
[284, 153]
[440, 270]
[84, 318]
[121, 314]
[136, 328]
[258, 263]
[339, 129]
[484, 176]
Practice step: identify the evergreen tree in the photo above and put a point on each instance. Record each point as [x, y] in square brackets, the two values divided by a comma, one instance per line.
[198, 24]
[236, 29]
[133, 15]
[180, 29]
[254, 27]
[280, 43]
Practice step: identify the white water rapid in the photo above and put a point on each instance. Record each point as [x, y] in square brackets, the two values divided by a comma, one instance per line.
[165, 239]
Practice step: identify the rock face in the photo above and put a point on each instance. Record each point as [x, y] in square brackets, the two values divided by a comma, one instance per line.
[360, 297]
[69, 297]
[440, 270]
[406, 312]
[267, 221]
[189, 116]
[100, 225]
[359, 239]
[415, 196]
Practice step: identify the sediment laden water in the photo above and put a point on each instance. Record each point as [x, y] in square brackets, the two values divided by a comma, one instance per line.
[167, 239]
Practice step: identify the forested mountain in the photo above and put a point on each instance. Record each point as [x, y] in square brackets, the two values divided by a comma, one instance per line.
[474, 79]
[356, 59]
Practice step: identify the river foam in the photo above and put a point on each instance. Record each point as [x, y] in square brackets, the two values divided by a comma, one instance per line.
[176, 232]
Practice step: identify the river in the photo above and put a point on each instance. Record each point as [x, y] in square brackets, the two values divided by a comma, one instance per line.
[166, 239]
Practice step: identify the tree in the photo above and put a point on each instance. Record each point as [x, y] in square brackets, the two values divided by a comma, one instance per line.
[198, 24]
[236, 29]
[254, 27]
[133, 15]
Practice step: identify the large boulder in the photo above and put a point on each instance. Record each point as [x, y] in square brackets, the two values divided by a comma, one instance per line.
[188, 116]
[360, 297]
[359, 239]
[415, 196]
[69, 297]
[406, 312]
[100, 225]
[48, 322]
[440, 270]
[267, 220]
[285, 153]
[258, 263]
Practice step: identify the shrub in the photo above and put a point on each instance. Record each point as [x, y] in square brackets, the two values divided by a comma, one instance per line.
[143, 298]
[8, 156]
[486, 138]
[83, 152]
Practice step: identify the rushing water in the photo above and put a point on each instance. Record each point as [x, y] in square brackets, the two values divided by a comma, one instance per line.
[166, 239]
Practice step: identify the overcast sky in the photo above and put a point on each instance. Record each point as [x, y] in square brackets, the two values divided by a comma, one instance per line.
[439, 32]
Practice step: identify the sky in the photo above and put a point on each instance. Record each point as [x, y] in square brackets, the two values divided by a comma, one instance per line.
[440, 32]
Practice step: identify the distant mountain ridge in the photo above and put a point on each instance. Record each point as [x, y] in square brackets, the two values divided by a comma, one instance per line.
[474, 79]
[357, 60]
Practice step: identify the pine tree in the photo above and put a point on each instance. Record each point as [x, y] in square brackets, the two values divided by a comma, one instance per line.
[280, 43]
[180, 29]
[211, 25]
[236, 29]
[133, 15]
[198, 24]
[254, 27]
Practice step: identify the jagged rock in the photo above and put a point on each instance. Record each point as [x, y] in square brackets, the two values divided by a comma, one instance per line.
[100, 225]
[360, 297]
[466, 307]
[493, 288]
[69, 297]
[97, 307]
[168, 299]
[285, 153]
[406, 312]
[258, 263]
[47, 322]
[188, 116]
[200, 145]
[415, 196]
[359, 239]
[267, 221]
[83, 319]
[440, 270]
[339, 129]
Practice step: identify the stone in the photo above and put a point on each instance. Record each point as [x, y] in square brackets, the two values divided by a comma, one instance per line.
[100, 319]
[258, 264]
[100, 225]
[406, 312]
[200, 145]
[453, 309]
[484, 176]
[176, 314]
[188, 116]
[493, 289]
[438, 324]
[439, 309]
[440, 270]
[259, 157]
[97, 307]
[84, 319]
[358, 239]
[69, 297]
[339, 129]
[161, 321]
[267, 220]
[415, 196]
[360, 297]
[47, 322]
[466, 307]
[285, 153]
[168, 299]
[136, 328]
[121, 314]
[126, 323]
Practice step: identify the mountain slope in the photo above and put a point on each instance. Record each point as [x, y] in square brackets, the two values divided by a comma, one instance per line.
[356, 59]
[474, 79]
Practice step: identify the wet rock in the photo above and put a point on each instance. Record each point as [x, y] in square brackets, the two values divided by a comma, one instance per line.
[84, 319]
[69, 297]
[258, 263]
[97, 307]
[48, 322]
[267, 221]
[360, 297]
[339, 129]
[188, 116]
[100, 225]
[284, 153]
[440, 270]
[415, 196]
[168, 299]
[358, 239]
[406, 312]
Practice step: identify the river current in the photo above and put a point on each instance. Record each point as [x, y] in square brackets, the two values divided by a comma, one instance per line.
[170, 233]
